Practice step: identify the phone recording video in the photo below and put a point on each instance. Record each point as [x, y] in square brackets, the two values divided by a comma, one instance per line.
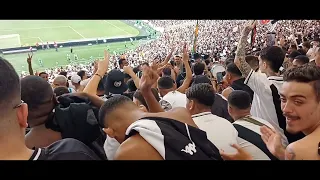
[271, 39]
[220, 77]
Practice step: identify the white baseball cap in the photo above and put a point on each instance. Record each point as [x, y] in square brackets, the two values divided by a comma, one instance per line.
[75, 79]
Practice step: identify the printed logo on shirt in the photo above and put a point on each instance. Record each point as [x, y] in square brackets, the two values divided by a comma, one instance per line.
[190, 149]
[165, 105]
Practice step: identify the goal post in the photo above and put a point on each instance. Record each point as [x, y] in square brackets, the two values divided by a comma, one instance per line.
[10, 41]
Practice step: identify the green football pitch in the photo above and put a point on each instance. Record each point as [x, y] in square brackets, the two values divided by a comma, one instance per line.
[50, 58]
[33, 31]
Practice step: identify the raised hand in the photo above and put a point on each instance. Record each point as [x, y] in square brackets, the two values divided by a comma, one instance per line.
[249, 27]
[127, 69]
[29, 58]
[103, 65]
[149, 77]
[272, 140]
[240, 155]
[185, 56]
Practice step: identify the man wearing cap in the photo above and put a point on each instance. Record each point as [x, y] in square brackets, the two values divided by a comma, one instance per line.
[75, 80]
[115, 82]
[197, 57]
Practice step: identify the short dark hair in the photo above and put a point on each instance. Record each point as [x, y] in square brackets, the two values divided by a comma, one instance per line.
[101, 83]
[81, 73]
[139, 96]
[136, 69]
[166, 71]
[239, 99]
[131, 86]
[200, 79]
[165, 82]
[274, 56]
[253, 61]
[58, 91]
[110, 105]
[121, 61]
[306, 73]
[9, 85]
[306, 44]
[302, 59]
[293, 46]
[145, 63]
[196, 56]
[294, 54]
[207, 61]
[203, 93]
[35, 91]
[233, 69]
[64, 73]
[228, 61]
[42, 73]
[302, 52]
[198, 68]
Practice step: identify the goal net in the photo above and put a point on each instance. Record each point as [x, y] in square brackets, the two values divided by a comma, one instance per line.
[10, 41]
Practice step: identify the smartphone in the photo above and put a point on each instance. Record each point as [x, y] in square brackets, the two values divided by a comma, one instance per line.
[220, 77]
[271, 39]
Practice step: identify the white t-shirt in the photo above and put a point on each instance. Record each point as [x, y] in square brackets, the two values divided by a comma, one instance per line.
[253, 150]
[71, 85]
[172, 100]
[110, 147]
[219, 130]
[262, 104]
[84, 82]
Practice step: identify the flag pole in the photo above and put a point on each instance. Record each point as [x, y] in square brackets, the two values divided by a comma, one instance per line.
[194, 49]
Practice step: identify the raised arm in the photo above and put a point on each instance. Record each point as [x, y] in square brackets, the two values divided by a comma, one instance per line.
[149, 77]
[239, 60]
[29, 60]
[168, 57]
[187, 81]
[92, 86]
[136, 80]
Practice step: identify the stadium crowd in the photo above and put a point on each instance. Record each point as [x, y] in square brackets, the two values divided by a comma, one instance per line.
[234, 99]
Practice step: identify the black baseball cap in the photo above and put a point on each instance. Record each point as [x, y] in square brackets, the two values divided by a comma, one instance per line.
[115, 82]
[196, 56]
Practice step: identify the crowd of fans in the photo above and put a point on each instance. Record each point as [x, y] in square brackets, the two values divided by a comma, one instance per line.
[231, 100]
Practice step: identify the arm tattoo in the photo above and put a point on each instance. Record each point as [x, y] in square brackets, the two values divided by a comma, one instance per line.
[290, 155]
[240, 61]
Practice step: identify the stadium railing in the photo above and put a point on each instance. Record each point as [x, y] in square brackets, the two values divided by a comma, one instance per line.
[73, 43]
[18, 51]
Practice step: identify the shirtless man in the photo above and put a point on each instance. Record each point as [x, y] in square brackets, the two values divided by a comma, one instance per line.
[300, 103]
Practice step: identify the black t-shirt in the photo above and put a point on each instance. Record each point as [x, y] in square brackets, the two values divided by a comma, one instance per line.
[65, 149]
[240, 85]
[220, 108]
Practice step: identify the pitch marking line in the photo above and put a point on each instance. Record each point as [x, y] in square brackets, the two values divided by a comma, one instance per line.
[117, 27]
[77, 32]
[39, 28]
